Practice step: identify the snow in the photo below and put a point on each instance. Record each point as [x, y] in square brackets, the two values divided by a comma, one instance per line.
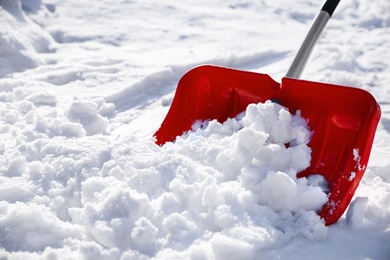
[84, 86]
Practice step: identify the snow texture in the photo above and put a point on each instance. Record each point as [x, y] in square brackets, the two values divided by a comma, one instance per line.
[83, 87]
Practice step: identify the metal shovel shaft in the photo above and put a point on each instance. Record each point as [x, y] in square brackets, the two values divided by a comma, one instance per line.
[311, 39]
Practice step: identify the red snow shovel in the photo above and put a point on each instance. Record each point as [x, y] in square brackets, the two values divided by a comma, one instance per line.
[343, 119]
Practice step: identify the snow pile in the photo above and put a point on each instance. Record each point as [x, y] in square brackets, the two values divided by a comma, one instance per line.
[80, 177]
[20, 39]
[224, 191]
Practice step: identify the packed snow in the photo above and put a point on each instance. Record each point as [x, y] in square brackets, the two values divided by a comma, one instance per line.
[83, 87]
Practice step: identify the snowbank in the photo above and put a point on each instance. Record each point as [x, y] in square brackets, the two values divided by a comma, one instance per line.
[81, 178]
[20, 39]
[224, 185]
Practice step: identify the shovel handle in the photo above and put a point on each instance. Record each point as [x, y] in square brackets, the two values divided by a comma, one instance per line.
[311, 39]
[330, 6]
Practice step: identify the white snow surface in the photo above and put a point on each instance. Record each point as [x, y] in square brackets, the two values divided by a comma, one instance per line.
[84, 85]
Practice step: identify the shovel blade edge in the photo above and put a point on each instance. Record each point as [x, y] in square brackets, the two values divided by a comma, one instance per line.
[344, 121]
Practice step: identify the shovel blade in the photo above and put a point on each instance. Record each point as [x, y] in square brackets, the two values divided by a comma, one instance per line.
[343, 121]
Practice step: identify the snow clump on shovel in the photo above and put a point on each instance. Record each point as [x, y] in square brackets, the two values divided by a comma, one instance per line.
[263, 148]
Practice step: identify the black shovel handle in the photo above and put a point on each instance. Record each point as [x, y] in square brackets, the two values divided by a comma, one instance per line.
[329, 6]
[311, 39]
